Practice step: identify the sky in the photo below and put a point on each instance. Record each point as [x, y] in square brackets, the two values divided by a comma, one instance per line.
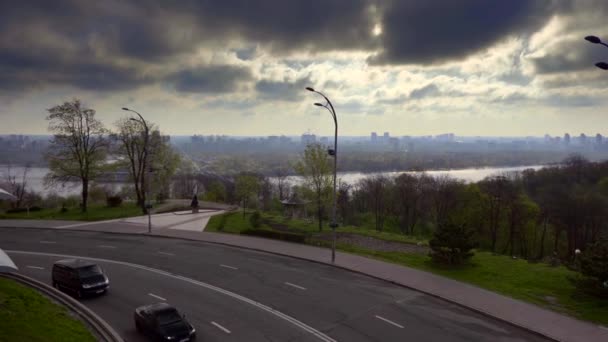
[240, 67]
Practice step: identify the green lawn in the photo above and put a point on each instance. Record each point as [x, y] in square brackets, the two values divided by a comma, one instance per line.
[26, 315]
[536, 283]
[94, 213]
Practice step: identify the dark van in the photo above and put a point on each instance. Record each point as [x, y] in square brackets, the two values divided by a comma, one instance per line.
[80, 277]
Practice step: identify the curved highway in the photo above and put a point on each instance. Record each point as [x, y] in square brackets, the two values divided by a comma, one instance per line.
[231, 294]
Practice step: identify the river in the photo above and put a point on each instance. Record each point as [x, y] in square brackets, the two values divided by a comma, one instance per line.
[35, 177]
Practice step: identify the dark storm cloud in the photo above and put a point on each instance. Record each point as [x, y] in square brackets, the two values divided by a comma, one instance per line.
[107, 45]
[283, 90]
[569, 56]
[431, 31]
[61, 39]
[209, 79]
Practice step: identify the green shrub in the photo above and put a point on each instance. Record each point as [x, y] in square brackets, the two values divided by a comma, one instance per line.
[113, 201]
[594, 265]
[255, 219]
[452, 244]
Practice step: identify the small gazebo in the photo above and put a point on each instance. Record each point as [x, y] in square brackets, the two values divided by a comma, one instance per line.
[294, 207]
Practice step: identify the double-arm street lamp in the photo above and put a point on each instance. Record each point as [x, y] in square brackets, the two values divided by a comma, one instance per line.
[328, 105]
[596, 40]
[146, 198]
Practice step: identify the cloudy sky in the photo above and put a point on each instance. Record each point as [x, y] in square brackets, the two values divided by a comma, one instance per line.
[239, 67]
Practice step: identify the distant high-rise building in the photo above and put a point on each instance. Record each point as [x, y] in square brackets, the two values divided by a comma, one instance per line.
[599, 139]
[374, 137]
[445, 137]
[583, 139]
[567, 139]
[308, 139]
[386, 136]
[547, 139]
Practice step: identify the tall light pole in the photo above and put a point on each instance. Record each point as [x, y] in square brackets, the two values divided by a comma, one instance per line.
[596, 40]
[334, 224]
[146, 192]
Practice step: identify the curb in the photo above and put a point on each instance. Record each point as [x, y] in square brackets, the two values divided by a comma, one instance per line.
[102, 330]
[463, 305]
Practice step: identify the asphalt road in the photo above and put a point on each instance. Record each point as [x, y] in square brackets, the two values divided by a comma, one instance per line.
[215, 286]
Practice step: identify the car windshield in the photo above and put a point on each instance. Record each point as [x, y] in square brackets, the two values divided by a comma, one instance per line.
[167, 317]
[89, 271]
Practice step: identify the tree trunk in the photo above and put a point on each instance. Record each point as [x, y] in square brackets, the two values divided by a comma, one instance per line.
[85, 194]
[541, 253]
[319, 213]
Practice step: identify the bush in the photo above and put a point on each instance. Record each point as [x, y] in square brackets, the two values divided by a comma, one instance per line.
[97, 194]
[272, 234]
[113, 201]
[22, 210]
[594, 265]
[452, 244]
[254, 219]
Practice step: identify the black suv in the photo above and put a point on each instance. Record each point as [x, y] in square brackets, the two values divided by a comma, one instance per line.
[162, 322]
[79, 277]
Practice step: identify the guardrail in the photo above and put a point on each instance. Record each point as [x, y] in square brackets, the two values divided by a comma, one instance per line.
[102, 330]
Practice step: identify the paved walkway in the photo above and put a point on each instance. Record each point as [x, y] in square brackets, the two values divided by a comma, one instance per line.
[528, 316]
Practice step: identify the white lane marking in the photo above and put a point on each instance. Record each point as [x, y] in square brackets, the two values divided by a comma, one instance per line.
[318, 334]
[49, 242]
[165, 253]
[389, 322]
[603, 327]
[157, 297]
[35, 267]
[230, 267]
[221, 328]
[296, 286]
[106, 246]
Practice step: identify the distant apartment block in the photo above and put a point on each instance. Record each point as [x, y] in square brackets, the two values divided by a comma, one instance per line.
[308, 139]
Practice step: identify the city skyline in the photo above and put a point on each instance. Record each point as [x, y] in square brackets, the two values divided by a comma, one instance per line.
[207, 68]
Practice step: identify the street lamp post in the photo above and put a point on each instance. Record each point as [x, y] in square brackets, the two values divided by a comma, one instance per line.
[334, 224]
[146, 199]
[597, 40]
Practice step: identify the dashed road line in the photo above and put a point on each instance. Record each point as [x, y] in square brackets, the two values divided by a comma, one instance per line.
[157, 297]
[166, 253]
[318, 334]
[296, 286]
[389, 322]
[35, 267]
[106, 246]
[230, 267]
[221, 328]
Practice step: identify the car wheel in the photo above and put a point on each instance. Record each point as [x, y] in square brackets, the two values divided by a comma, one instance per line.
[138, 327]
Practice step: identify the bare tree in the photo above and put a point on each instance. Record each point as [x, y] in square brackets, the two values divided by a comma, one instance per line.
[282, 183]
[17, 186]
[78, 148]
[376, 191]
[496, 190]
